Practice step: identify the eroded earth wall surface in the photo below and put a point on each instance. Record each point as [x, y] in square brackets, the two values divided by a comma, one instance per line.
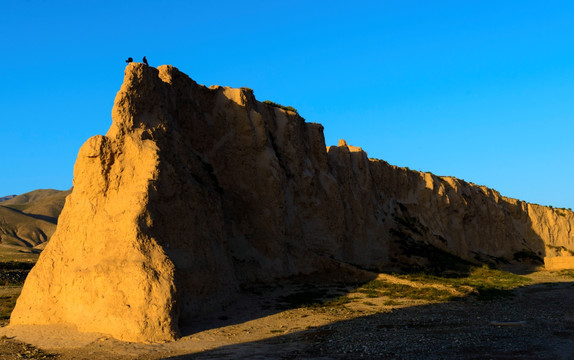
[195, 191]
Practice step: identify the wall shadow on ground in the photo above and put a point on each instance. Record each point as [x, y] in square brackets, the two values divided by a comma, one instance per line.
[328, 288]
[259, 300]
[536, 323]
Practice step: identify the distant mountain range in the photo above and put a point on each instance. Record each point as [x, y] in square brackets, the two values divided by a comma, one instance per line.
[30, 219]
[4, 198]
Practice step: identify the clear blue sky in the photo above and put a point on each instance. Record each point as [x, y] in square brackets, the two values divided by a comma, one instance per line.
[480, 90]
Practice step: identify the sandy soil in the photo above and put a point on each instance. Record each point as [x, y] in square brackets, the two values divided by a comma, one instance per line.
[536, 323]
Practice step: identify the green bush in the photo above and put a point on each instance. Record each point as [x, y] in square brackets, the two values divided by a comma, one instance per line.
[274, 104]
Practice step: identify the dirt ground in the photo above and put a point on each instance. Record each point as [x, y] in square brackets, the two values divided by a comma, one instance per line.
[536, 322]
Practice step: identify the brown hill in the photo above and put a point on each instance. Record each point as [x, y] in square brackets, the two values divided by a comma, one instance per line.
[29, 220]
[4, 198]
[50, 206]
[31, 196]
[196, 191]
[18, 229]
[46, 203]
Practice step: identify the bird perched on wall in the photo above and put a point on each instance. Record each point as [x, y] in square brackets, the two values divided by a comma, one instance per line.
[129, 60]
[145, 61]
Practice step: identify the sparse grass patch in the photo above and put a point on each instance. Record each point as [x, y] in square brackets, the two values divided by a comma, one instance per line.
[484, 282]
[313, 299]
[369, 291]
[486, 277]
[568, 272]
[274, 104]
[7, 303]
[305, 298]
[12, 276]
[392, 290]
[14, 273]
[16, 265]
[338, 301]
[391, 302]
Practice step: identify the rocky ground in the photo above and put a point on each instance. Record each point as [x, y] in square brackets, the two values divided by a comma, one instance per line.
[343, 321]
